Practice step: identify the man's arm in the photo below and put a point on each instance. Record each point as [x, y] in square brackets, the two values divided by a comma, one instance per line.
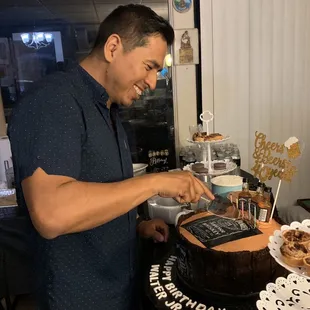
[60, 205]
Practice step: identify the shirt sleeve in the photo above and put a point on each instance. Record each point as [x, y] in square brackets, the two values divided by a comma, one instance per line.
[47, 132]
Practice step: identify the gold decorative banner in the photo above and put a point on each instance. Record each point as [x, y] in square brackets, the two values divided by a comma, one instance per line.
[273, 159]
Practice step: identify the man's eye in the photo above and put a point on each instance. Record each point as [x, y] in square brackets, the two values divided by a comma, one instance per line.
[148, 68]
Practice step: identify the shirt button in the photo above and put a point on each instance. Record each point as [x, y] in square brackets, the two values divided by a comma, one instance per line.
[38, 157]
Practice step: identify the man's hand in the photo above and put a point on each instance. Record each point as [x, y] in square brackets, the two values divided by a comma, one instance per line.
[156, 229]
[181, 185]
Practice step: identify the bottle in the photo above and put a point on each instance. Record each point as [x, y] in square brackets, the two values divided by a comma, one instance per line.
[244, 196]
[267, 193]
[263, 205]
[259, 195]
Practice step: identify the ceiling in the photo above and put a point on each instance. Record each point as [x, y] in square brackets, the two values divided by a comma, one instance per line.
[35, 12]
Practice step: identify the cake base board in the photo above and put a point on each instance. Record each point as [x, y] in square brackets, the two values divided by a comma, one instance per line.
[159, 283]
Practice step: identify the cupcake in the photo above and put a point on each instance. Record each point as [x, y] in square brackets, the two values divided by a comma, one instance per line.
[292, 147]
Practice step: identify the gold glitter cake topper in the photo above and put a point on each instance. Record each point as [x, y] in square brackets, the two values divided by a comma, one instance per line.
[273, 159]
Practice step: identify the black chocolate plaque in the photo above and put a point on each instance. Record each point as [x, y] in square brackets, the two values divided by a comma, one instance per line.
[214, 230]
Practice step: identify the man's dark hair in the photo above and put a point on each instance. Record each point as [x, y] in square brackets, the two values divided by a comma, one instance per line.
[134, 23]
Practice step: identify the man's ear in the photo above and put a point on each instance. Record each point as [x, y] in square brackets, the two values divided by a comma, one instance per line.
[112, 46]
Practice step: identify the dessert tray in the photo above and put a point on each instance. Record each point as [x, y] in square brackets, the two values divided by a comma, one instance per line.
[230, 166]
[276, 241]
[291, 293]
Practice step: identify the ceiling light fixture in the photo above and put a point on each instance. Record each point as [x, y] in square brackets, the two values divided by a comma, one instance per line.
[37, 40]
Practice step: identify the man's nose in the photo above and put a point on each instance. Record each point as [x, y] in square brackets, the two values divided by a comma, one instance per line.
[151, 80]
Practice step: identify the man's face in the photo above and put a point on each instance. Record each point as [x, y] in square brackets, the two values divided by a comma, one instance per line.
[130, 73]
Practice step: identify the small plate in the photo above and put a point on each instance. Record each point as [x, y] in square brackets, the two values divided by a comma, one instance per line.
[292, 293]
[276, 242]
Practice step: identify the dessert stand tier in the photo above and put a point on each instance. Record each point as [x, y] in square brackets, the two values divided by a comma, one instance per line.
[206, 117]
[230, 166]
[205, 144]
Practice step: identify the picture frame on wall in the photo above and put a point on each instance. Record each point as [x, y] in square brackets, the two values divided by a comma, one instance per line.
[186, 47]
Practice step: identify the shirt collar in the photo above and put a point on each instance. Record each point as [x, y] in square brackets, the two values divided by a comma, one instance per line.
[99, 92]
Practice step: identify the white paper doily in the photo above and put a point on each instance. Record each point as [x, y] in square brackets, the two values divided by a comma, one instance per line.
[276, 241]
[225, 138]
[291, 293]
[230, 166]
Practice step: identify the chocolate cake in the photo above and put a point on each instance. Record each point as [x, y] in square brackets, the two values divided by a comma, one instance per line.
[228, 258]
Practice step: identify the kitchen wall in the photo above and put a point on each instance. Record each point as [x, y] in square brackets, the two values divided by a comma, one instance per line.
[256, 77]
[184, 83]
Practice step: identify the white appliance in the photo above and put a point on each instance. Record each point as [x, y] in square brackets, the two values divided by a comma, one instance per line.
[5, 158]
[166, 209]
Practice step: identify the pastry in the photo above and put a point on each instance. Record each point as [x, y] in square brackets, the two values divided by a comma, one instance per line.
[296, 235]
[219, 166]
[293, 253]
[199, 168]
[306, 262]
[214, 137]
[202, 137]
[199, 136]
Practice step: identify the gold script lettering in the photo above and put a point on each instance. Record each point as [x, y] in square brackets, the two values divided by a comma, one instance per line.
[262, 156]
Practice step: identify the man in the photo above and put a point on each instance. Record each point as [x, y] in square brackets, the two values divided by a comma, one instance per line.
[74, 172]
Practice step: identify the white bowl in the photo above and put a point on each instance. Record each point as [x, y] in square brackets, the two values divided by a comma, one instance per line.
[139, 169]
[224, 184]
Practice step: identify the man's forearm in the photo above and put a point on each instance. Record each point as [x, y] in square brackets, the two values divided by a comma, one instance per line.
[77, 206]
[60, 204]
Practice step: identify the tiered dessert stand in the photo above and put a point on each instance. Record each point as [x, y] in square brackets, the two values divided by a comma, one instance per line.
[206, 117]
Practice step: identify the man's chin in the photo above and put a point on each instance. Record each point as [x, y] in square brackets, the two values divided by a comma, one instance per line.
[127, 103]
